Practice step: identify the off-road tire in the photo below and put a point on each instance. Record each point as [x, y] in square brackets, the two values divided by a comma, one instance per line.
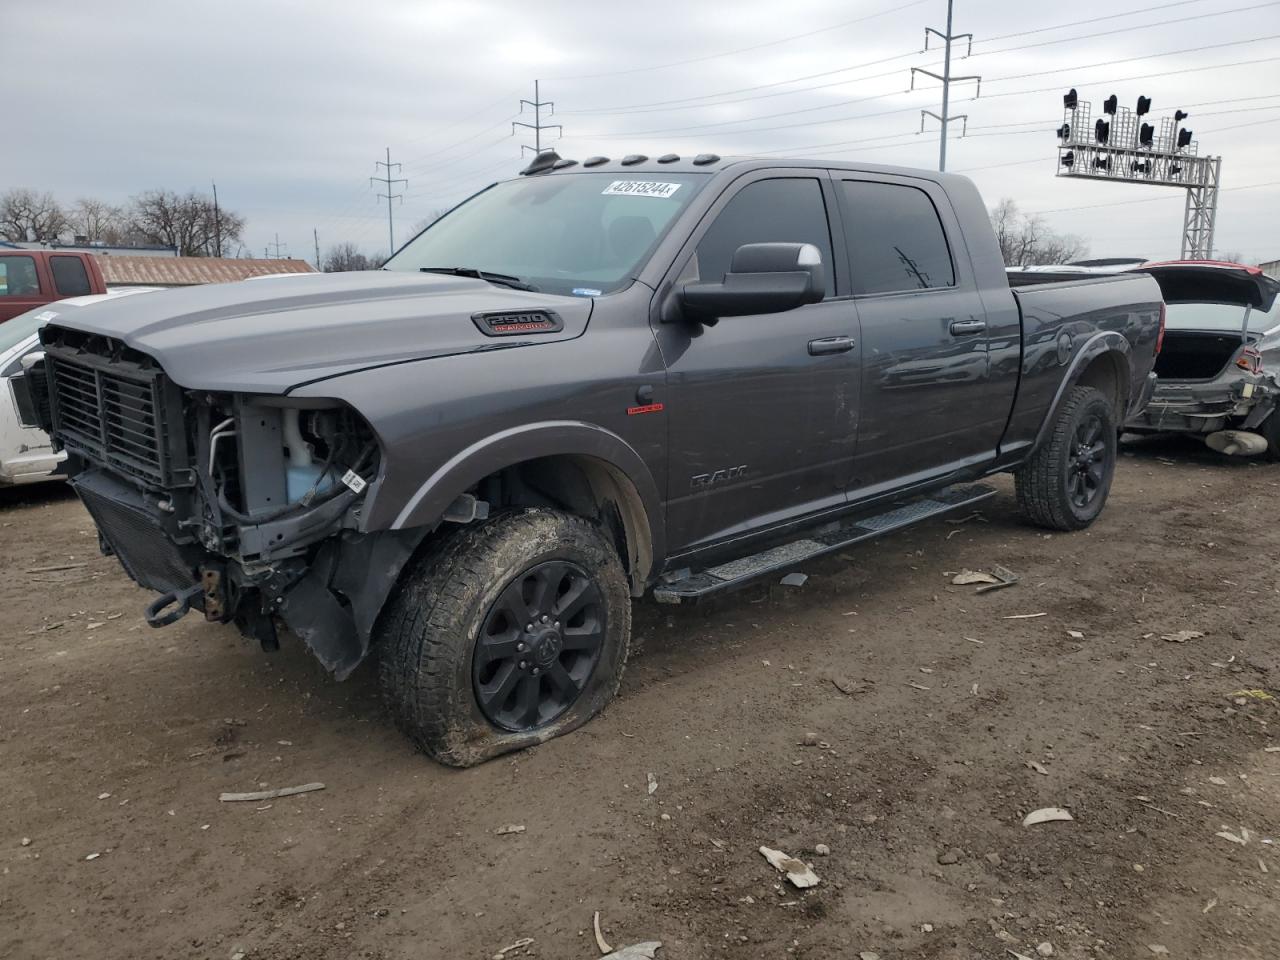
[1270, 430]
[1043, 482]
[427, 636]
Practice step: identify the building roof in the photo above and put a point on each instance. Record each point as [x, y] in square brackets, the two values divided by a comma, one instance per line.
[97, 247]
[186, 271]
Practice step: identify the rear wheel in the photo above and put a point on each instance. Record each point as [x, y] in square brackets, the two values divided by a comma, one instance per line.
[1270, 430]
[509, 633]
[1064, 485]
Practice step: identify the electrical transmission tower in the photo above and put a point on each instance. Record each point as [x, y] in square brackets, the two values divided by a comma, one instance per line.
[537, 126]
[946, 80]
[389, 182]
[277, 245]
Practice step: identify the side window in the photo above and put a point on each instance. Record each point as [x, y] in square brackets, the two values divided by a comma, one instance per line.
[70, 276]
[18, 277]
[788, 210]
[896, 241]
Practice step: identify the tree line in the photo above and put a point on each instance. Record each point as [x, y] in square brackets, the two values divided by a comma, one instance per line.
[189, 222]
[1026, 240]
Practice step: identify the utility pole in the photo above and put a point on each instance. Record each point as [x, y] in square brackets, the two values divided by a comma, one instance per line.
[946, 79]
[389, 182]
[315, 234]
[537, 126]
[217, 223]
[277, 245]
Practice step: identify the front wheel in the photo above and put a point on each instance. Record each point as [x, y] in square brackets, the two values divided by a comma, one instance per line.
[509, 633]
[1064, 485]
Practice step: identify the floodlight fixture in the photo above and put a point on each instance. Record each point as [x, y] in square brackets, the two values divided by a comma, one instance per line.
[1064, 132]
[1101, 131]
[1070, 99]
[1184, 139]
[1110, 104]
[1144, 106]
[1068, 158]
[1146, 134]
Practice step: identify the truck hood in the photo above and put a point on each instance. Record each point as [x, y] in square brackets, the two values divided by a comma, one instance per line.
[269, 335]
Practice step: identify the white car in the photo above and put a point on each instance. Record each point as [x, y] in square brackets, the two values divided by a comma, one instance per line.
[26, 456]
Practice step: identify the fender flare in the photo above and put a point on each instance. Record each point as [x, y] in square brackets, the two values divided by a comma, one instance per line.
[1103, 342]
[534, 441]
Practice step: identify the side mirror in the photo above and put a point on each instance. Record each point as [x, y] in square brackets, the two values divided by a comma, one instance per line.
[762, 278]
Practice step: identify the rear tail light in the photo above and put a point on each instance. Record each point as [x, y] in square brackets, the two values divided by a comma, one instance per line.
[1250, 360]
[1160, 335]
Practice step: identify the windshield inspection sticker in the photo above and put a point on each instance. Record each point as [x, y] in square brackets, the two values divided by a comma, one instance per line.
[640, 188]
[586, 292]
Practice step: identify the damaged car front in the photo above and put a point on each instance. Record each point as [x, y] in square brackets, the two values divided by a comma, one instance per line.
[1219, 366]
[216, 488]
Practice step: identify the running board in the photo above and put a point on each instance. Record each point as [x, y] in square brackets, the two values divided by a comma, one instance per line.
[833, 537]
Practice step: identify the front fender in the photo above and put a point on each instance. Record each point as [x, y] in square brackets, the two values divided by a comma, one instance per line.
[526, 442]
[1102, 343]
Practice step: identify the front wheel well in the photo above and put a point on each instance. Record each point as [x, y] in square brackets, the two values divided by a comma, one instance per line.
[584, 486]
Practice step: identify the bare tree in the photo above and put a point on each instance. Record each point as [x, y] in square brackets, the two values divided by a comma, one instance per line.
[96, 220]
[1025, 239]
[185, 221]
[28, 215]
[342, 257]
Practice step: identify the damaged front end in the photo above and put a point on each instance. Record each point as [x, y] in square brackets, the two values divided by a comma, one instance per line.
[245, 507]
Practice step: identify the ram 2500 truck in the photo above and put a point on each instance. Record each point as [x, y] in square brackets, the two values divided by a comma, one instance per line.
[591, 381]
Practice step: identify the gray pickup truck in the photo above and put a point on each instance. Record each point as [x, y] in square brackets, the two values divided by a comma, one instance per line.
[588, 382]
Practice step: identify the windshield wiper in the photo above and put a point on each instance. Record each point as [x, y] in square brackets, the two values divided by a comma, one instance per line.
[501, 279]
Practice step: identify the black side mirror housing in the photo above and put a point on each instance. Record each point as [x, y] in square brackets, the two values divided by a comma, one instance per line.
[762, 278]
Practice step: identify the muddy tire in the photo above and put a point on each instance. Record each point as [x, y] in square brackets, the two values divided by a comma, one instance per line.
[1064, 485]
[507, 633]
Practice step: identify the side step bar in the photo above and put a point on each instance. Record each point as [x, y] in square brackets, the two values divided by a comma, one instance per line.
[835, 536]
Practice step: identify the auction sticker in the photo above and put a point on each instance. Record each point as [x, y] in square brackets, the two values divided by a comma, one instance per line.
[640, 188]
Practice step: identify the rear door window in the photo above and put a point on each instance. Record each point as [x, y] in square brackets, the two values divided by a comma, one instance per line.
[785, 210]
[70, 277]
[896, 241]
[18, 277]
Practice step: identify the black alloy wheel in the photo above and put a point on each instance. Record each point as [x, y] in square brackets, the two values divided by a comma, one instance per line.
[1089, 467]
[538, 646]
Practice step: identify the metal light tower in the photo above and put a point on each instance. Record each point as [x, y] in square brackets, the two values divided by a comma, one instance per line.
[946, 80]
[1121, 146]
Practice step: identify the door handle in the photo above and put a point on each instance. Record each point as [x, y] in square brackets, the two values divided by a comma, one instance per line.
[959, 328]
[825, 345]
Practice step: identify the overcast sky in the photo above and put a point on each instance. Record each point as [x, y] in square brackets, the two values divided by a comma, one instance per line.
[288, 104]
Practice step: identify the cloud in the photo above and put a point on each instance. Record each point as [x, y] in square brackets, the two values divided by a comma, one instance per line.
[288, 105]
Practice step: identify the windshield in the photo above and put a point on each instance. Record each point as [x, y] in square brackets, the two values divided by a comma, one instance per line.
[17, 329]
[1220, 316]
[582, 234]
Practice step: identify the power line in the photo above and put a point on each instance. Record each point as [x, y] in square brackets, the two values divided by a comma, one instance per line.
[894, 93]
[1166, 196]
[388, 181]
[687, 103]
[898, 8]
[537, 126]
[1081, 23]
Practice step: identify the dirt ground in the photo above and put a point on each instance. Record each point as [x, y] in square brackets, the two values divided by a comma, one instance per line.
[954, 721]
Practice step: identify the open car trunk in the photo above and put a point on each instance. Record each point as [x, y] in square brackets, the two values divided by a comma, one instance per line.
[1196, 354]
